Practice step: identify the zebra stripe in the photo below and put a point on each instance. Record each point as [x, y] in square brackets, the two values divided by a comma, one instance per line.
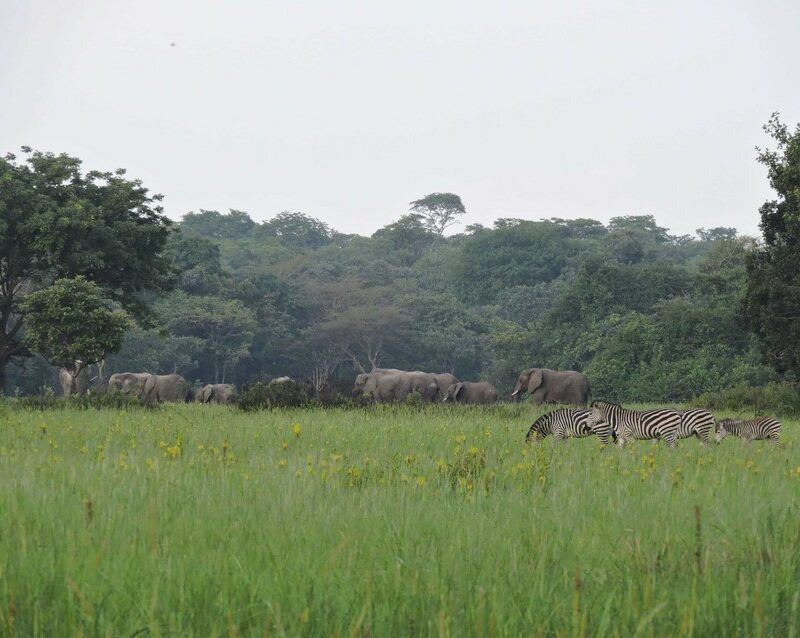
[566, 423]
[763, 427]
[696, 422]
[634, 424]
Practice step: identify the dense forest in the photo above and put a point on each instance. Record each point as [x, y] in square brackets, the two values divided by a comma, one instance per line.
[647, 315]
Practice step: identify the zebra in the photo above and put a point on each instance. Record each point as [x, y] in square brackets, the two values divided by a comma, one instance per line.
[635, 424]
[566, 423]
[696, 422]
[762, 427]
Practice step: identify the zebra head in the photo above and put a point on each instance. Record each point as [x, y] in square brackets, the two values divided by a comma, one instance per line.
[597, 413]
[541, 428]
[723, 429]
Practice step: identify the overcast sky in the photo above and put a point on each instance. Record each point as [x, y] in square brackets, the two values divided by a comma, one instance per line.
[349, 110]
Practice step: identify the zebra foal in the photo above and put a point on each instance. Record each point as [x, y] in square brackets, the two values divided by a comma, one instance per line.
[762, 427]
[566, 423]
[635, 424]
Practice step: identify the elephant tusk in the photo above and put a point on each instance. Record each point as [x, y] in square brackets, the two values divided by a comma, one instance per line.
[515, 393]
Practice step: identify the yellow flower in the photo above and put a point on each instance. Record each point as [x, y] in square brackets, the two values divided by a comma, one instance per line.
[421, 481]
[285, 445]
[297, 430]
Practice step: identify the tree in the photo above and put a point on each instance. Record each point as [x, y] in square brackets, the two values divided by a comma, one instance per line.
[156, 352]
[773, 287]
[225, 326]
[210, 223]
[298, 230]
[199, 263]
[71, 325]
[407, 239]
[718, 233]
[57, 222]
[440, 210]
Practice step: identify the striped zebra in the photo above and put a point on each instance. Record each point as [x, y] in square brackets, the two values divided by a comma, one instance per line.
[762, 427]
[566, 423]
[634, 424]
[696, 422]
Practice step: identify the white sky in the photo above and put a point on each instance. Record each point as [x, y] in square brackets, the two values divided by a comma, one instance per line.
[349, 110]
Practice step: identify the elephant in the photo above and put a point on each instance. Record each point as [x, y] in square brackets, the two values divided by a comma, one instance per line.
[74, 386]
[215, 393]
[359, 387]
[166, 388]
[553, 386]
[383, 388]
[132, 383]
[424, 383]
[481, 392]
[444, 380]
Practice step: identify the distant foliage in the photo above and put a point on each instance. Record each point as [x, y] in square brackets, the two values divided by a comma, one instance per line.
[774, 399]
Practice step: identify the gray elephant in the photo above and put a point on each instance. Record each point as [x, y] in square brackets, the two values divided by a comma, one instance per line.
[444, 380]
[216, 393]
[385, 388]
[553, 386]
[166, 388]
[424, 383]
[132, 383]
[481, 392]
[70, 385]
[366, 377]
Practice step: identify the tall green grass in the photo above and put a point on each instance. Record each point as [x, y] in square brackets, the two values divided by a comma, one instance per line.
[204, 521]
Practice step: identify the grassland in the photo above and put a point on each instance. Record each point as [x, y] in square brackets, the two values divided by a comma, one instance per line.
[203, 521]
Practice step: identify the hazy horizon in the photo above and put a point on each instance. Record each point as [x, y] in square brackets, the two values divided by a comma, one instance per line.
[348, 113]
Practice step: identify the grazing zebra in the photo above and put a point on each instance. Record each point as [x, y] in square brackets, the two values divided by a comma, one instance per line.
[762, 427]
[565, 423]
[696, 422]
[635, 424]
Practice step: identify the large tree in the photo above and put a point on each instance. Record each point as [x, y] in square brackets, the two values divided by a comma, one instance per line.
[58, 222]
[71, 325]
[773, 287]
[440, 210]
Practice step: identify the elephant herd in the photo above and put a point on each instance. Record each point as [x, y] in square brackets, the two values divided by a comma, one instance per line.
[381, 385]
[151, 388]
[168, 388]
[384, 385]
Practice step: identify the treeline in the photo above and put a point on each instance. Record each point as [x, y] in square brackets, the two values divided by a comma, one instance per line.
[646, 315]
[219, 297]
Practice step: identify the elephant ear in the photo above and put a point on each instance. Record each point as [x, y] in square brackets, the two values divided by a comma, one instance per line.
[535, 380]
[459, 389]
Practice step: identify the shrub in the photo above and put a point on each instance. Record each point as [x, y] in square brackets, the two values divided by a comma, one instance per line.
[262, 396]
[779, 399]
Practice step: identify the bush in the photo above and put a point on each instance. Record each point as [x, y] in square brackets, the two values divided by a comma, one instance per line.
[263, 396]
[778, 399]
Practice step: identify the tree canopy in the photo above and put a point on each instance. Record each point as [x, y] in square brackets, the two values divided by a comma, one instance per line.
[773, 293]
[57, 221]
[71, 325]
